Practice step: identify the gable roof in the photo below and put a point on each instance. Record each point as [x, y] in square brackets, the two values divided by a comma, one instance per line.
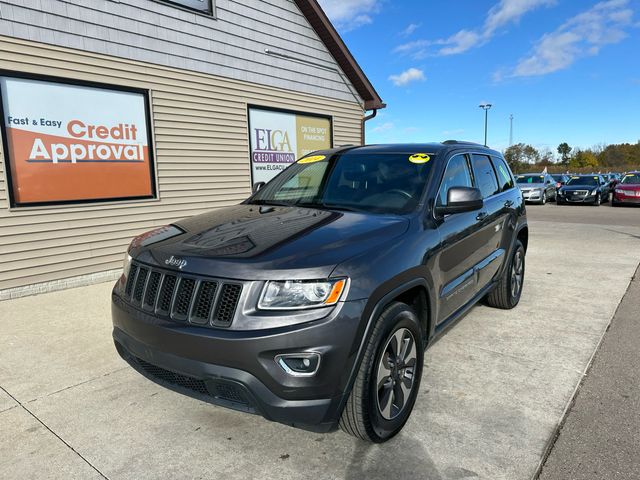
[330, 37]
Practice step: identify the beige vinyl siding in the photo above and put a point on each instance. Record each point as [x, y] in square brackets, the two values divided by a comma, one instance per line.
[201, 150]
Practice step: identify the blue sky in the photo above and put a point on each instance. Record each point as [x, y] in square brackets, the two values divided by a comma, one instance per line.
[568, 70]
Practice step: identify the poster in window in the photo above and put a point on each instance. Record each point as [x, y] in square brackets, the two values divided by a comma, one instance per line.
[68, 143]
[278, 138]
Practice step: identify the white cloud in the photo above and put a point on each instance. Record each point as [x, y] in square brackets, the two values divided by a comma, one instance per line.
[407, 77]
[411, 28]
[581, 36]
[453, 133]
[385, 127]
[501, 14]
[348, 15]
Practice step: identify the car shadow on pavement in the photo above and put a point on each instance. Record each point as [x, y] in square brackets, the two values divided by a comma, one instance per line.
[402, 457]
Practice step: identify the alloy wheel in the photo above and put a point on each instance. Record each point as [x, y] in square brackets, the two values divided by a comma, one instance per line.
[517, 274]
[395, 377]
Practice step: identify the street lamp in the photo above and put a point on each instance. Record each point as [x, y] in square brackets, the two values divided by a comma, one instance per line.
[485, 107]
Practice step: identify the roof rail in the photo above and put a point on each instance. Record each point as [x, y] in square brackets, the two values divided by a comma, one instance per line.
[461, 142]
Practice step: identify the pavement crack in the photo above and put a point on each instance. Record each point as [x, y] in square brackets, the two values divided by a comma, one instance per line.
[54, 433]
[84, 382]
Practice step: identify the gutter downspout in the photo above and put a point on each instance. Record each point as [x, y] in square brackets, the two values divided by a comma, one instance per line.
[366, 119]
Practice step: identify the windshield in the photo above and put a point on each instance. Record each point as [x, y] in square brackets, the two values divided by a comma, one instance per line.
[631, 179]
[530, 178]
[377, 183]
[558, 178]
[588, 181]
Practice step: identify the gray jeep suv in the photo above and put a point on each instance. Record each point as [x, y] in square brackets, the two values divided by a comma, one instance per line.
[312, 302]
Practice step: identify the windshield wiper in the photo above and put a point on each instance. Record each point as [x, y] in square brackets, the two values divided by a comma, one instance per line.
[330, 206]
[272, 203]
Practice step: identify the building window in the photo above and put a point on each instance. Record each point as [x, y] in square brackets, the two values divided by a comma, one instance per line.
[205, 6]
[74, 142]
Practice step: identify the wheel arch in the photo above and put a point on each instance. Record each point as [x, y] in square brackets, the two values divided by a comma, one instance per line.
[413, 292]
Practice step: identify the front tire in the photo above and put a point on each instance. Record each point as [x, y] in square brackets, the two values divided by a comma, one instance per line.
[506, 294]
[388, 380]
[544, 198]
[597, 201]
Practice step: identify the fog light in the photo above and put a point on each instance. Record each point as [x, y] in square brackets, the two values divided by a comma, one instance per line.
[299, 364]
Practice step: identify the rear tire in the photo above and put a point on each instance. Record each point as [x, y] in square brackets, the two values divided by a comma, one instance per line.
[507, 293]
[388, 380]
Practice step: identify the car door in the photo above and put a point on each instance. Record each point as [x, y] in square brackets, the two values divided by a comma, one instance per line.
[494, 223]
[461, 246]
[550, 186]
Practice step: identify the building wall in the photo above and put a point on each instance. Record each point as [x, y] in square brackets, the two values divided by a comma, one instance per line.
[202, 159]
[231, 44]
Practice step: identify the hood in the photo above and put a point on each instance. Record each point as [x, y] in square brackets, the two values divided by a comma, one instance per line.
[569, 188]
[251, 242]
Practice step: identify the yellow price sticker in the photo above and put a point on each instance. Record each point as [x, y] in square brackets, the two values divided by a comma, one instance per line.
[312, 159]
[419, 158]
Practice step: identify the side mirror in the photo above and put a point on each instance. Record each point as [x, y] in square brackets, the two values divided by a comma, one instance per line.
[460, 200]
[257, 186]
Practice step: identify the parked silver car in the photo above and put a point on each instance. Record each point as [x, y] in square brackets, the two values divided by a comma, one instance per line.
[537, 187]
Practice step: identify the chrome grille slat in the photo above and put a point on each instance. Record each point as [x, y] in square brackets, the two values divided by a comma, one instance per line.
[205, 302]
[141, 282]
[226, 304]
[133, 273]
[151, 292]
[183, 298]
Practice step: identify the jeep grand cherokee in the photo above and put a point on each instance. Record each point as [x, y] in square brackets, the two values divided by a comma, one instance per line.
[312, 302]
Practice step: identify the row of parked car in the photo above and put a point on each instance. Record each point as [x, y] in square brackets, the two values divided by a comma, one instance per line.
[592, 189]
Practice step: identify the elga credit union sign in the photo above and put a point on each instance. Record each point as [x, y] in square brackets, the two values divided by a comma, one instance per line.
[279, 138]
[75, 142]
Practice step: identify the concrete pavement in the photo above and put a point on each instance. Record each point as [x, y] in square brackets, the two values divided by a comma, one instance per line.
[495, 387]
[599, 438]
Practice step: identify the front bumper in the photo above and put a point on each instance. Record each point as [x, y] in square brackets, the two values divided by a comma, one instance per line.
[568, 198]
[532, 195]
[630, 199]
[236, 369]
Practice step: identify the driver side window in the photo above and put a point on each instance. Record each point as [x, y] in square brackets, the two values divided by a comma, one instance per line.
[457, 174]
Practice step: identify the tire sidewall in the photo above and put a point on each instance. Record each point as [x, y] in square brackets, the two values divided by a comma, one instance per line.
[400, 316]
[513, 301]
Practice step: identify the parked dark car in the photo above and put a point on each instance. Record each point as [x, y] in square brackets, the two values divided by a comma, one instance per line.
[593, 189]
[627, 191]
[312, 302]
[537, 187]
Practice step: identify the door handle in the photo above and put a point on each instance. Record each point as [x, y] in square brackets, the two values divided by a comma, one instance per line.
[508, 204]
[481, 216]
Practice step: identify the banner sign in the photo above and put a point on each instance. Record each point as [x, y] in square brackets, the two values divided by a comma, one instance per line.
[278, 138]
[74, 142]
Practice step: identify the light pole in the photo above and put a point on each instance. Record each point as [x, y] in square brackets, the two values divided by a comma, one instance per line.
[511, 129]
[485, 107]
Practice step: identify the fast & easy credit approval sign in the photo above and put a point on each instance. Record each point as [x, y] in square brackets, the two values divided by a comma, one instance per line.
[278, 138]
[69, 142]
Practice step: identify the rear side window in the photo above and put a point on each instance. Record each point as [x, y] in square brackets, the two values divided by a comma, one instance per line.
[485, 176]
[505, 179]
[457, 174]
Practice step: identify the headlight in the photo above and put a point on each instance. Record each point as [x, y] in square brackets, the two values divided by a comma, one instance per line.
[625, 192]
[126, 264]
[299, 294]
[593, 192]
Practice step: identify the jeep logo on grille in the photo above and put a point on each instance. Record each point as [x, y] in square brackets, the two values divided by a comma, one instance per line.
[175, 262]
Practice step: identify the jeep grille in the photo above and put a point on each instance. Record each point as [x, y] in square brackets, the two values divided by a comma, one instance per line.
[182, 297]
